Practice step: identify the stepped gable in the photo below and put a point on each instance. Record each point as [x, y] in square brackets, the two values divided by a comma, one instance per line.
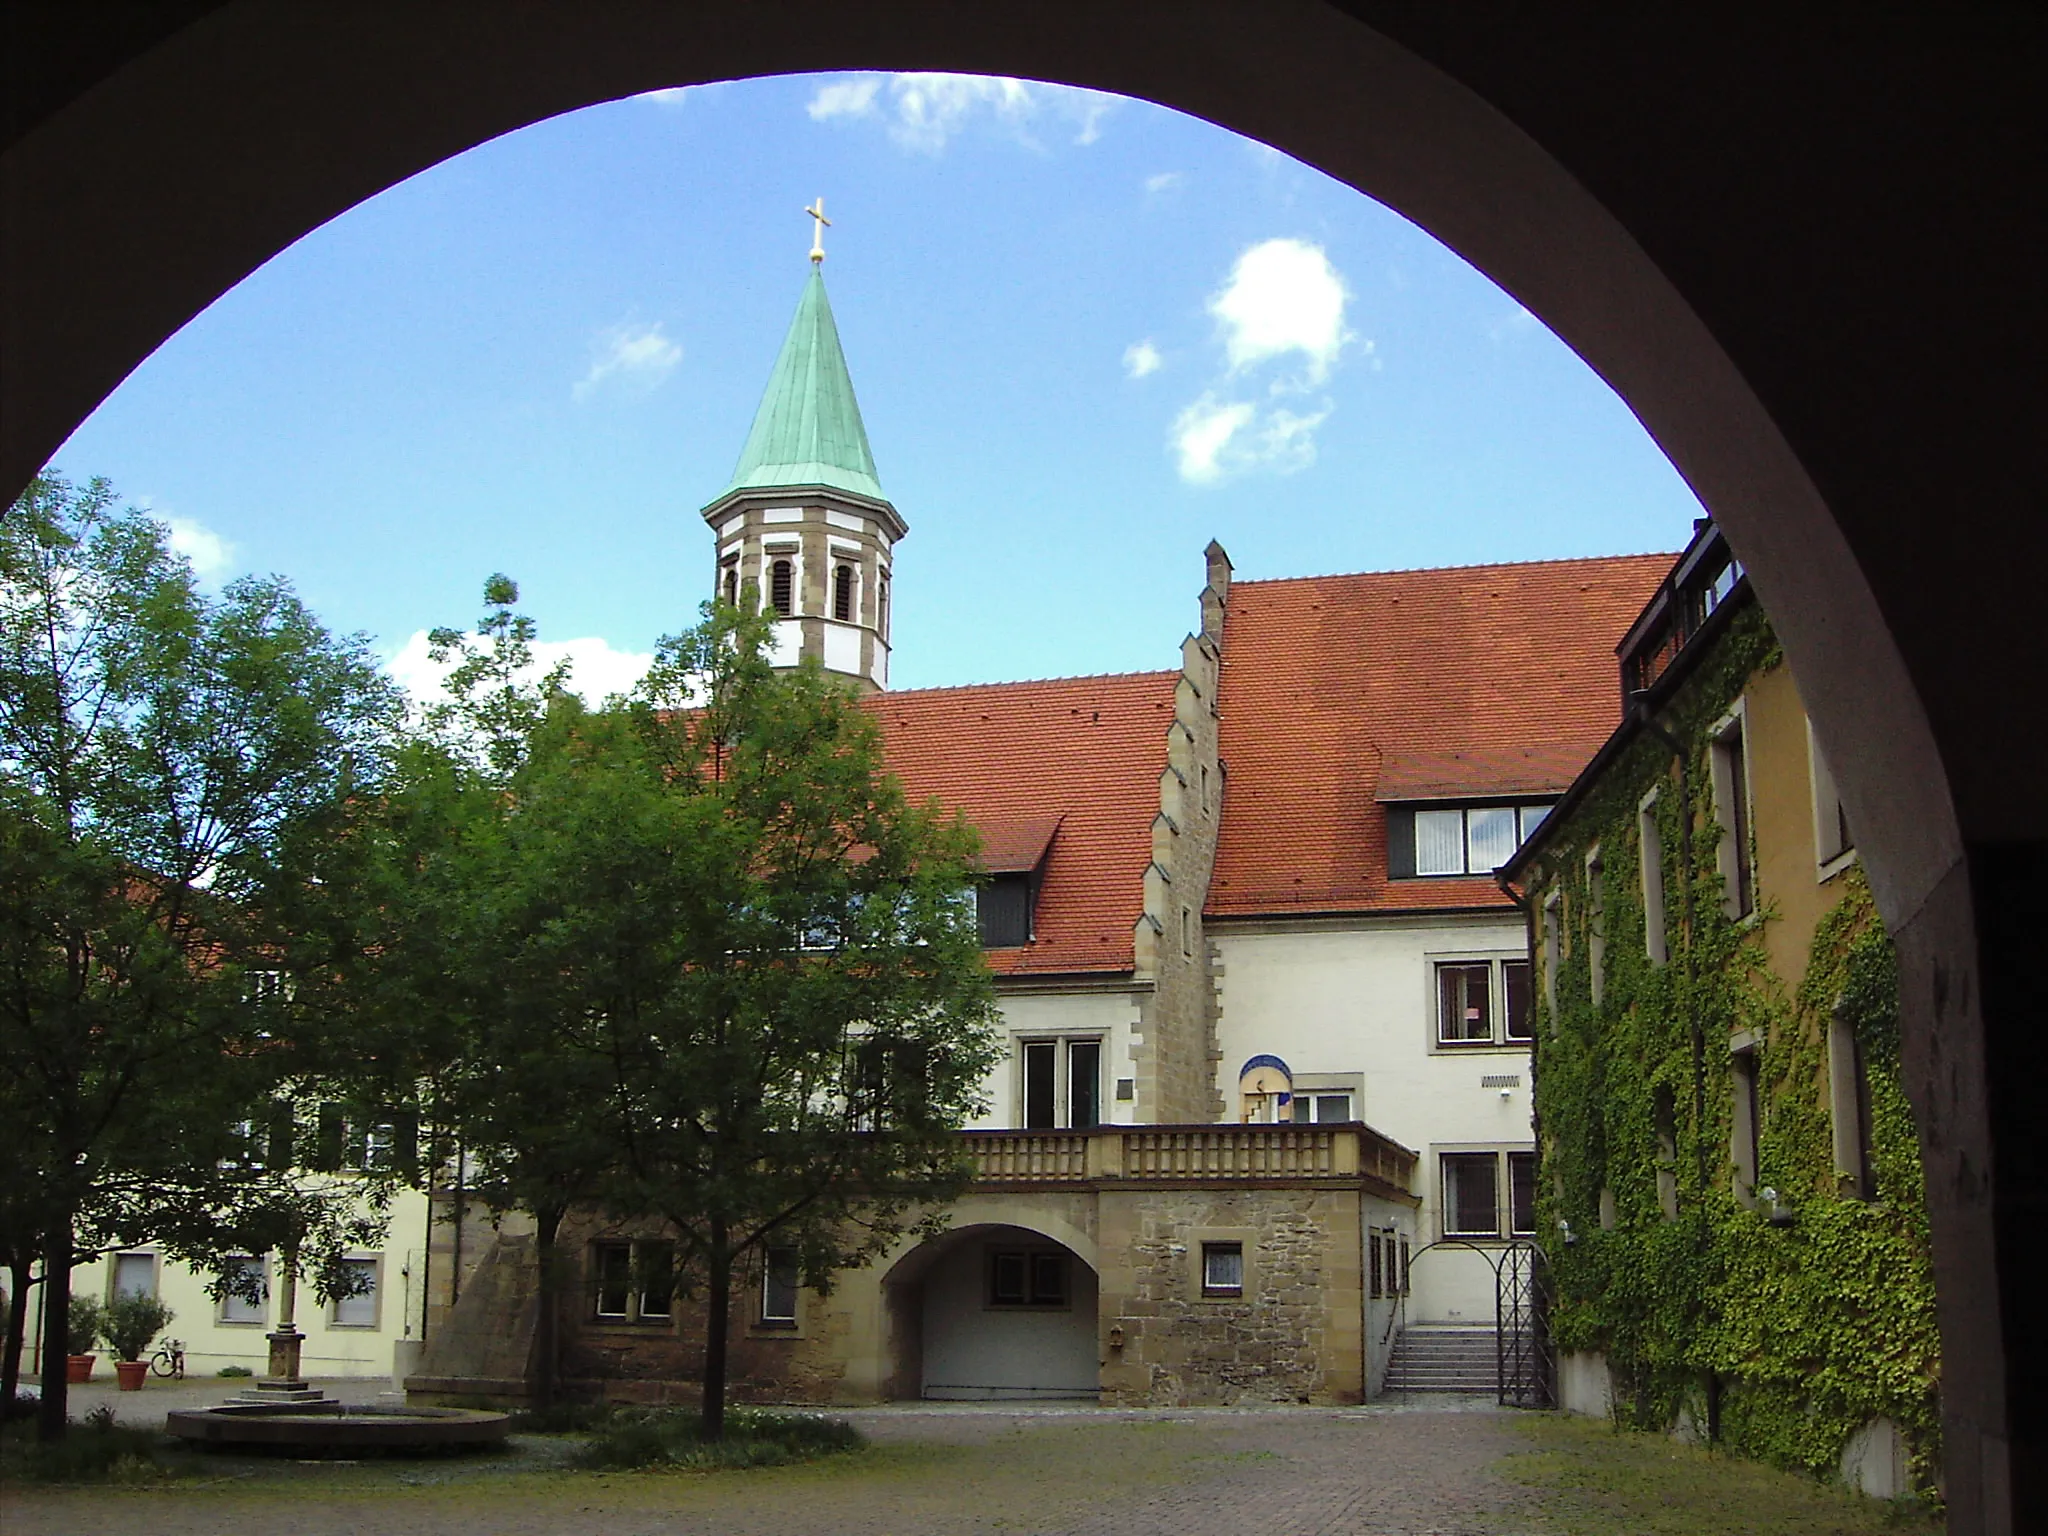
[1468, 680]
[1016, 759]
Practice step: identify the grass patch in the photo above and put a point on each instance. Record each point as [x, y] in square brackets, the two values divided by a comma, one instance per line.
[97, 1450]
[1595, 1480]
[630, 1439]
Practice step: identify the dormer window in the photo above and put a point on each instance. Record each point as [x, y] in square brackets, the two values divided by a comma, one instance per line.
[1004, 909]
[1457, 840]
[842, 593]
[782, 586]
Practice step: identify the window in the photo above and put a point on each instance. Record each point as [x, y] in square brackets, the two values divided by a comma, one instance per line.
[1062, 1083]
[1375, 1275]
[1187, 933]
[358, 1309]
[1471, 1194]
[633, 1281]
[1033, 1277]
[729, 581]
[135, 1274]
[1003, 906]
[1522, 1193]
[1849, 1105]
[1730, 762]
[1321, 1108]
[1596, 923]
[779, 1289]
[882, 605]
[1553, 946]
[782, 586]
[1483, 1002]
[842, 593]
[1401, 1288]
[612, 1264]
[1460, 840]
[1832, 843]
[249, 1300]
[1223, 1269]
[1664, 1115]
[657, 1263]
[1650, 849]
[1743, 1141]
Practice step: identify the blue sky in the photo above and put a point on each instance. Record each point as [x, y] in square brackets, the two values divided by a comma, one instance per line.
[1088, 334]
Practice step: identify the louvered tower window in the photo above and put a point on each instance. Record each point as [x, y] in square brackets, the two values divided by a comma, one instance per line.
[781, 587]
[842, 594]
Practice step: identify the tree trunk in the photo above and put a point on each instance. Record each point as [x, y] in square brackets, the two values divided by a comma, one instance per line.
[55, 1411]
[547, 1325]
[717, 1315]
[18, 1283]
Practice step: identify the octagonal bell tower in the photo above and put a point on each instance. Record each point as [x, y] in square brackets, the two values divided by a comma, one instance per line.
[804, 520]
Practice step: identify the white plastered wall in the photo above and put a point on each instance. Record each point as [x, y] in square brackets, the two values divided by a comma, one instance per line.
[1358, 998]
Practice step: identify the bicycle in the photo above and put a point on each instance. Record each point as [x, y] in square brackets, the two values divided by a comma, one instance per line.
[169, 1360]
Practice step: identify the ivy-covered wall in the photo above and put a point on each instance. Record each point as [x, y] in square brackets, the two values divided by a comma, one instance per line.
[1784, 1336]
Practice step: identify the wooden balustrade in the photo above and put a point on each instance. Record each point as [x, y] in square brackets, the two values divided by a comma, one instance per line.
[1193, 1153]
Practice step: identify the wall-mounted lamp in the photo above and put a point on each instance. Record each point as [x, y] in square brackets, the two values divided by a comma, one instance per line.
[1507, 1093]
[1565, 1227]
[1779, 1217]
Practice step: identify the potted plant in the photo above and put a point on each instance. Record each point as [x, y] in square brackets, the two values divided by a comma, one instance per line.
[131, 1326]
[86, 1319]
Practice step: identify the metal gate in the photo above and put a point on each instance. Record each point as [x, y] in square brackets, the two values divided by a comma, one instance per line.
[1521, 1327]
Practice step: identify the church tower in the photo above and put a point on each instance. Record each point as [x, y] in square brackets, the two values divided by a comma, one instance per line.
[804, 520]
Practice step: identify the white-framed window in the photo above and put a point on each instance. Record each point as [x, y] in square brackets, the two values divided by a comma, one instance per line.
[1746, 1128]
[1488, 1193]
[1834, 847]
[1729, 762]
[1849, 1106]
[1313, 1106]
[1596, 924]
[359, 1309]
[633, 1280]
[1460, 840]
[134, 1274]
[1553, 946]
[1223, 1269]
[779, 1286]
[238, 1309]
[1482, 1002]
[1059, 1082]
[1028, 1277]
[1650, 850]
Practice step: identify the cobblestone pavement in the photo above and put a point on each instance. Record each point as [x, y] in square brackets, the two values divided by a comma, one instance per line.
[1418, 1470]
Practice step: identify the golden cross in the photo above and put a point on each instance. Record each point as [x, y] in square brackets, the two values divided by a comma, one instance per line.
[818, 227]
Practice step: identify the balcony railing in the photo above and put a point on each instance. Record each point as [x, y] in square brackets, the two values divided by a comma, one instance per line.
[1163, 1154]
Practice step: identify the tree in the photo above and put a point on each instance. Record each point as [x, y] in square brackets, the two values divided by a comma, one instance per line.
[168, 763]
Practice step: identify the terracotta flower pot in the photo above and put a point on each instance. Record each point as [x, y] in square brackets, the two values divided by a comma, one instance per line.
[132, 1374]
[78, 1367]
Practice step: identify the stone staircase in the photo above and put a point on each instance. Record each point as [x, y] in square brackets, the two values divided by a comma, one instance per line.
[1431, 1357]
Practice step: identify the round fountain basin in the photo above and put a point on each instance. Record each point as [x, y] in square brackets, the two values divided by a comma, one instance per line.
[317, 1427]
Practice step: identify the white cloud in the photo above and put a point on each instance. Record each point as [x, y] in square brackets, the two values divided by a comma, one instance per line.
[1202, 434]
[596, 670]
[1517, 322]
[672, 97]
[926, 110]
[1164, 182]
[211, 555]
[1141, 358]
[845, 98]
[1282, 297]
[637, 357]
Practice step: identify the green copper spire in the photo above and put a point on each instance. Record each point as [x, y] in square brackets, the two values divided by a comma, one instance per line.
[808, 430]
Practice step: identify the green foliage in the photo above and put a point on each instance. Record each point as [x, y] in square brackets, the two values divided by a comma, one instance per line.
[85, 1323]
[234, 1370]
[1809, 1327]
[133, 1322]
[105, 1452]
[673, 1439]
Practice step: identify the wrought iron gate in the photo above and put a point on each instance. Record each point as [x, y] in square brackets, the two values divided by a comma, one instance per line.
[1521, 1327]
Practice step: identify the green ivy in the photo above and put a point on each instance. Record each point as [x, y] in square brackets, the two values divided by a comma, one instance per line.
[1808, 1329]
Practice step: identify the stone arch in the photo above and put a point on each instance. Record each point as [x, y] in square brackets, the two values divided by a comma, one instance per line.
[1818, 305]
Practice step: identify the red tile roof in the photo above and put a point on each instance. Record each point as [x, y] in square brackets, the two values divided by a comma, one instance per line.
[1323, 675]
[1014, 758]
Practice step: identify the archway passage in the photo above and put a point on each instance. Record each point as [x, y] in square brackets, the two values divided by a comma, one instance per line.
[1806, 253]
[993, 1313]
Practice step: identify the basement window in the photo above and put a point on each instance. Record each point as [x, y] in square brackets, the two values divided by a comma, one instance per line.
[1223, 1269]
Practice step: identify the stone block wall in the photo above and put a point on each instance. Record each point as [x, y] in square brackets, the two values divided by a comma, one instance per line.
[1296, 1334]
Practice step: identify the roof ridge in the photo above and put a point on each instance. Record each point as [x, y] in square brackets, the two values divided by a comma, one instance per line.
[1025, 682]
[1425, 570]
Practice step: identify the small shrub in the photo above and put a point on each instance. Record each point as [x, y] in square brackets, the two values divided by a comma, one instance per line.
[234, 1370]
[561, 1419]
[86, 1321]
[632, 1439]
[132, 1323]
[97, 1450]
